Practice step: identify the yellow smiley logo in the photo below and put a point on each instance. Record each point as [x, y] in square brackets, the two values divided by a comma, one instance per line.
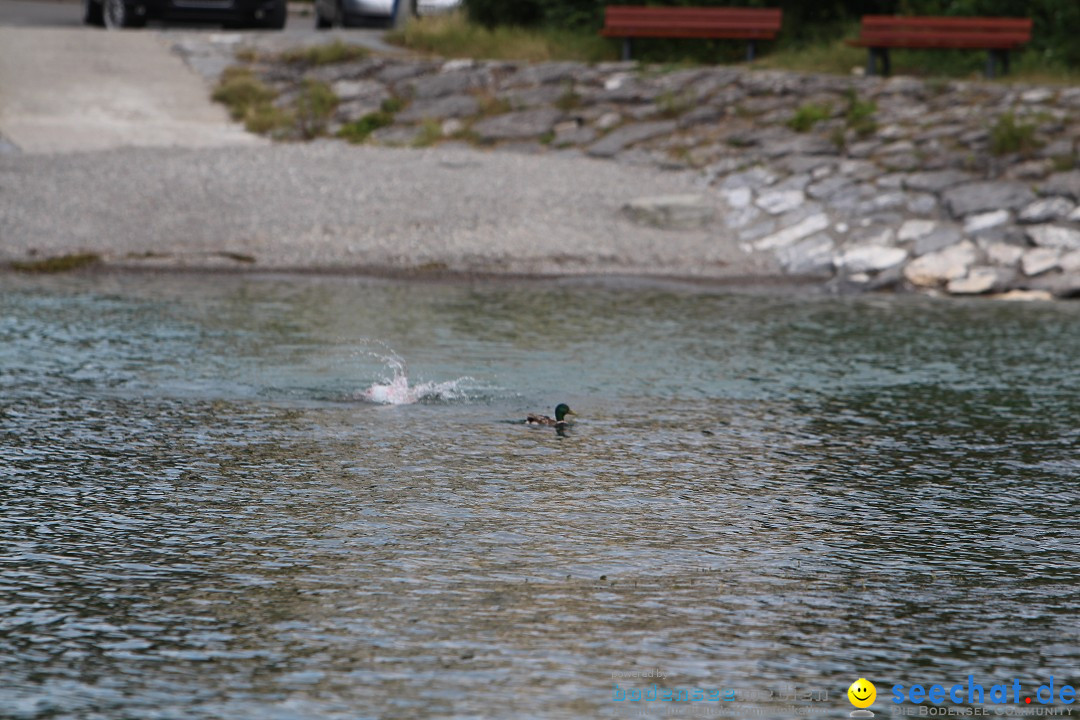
[862, 693]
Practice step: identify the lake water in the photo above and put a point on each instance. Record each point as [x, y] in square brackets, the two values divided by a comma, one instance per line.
[207, 515]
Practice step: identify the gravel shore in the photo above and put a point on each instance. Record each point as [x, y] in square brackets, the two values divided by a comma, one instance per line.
[328, 206]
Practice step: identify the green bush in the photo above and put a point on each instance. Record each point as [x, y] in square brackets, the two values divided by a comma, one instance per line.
[805, 23]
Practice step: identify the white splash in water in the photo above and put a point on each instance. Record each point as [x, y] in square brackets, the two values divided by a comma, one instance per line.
[396, 390]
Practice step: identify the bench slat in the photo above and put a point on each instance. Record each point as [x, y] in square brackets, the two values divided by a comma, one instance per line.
[891, 22]
[735, 23]
[980, 41]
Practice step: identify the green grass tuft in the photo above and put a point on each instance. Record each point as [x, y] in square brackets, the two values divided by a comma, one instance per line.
[860, 114]
[328, 54]
[452, 35]
[313, 107]
[673, 105]
[569, 100]
[807, 116]
[240, 91]
[1009, 136]
[358, 131]
[430, 133]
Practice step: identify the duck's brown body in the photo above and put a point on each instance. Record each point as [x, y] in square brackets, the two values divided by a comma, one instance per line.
[561, 411]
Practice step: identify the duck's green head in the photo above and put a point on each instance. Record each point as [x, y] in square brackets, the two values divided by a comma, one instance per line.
[562, 410]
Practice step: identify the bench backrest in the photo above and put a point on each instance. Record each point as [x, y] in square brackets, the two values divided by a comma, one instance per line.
[735, 23]
[974, 32]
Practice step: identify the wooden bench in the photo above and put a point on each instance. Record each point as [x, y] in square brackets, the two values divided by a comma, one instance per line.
[996, 35]
[751, 24]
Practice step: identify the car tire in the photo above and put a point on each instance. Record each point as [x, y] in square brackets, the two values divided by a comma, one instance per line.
[275, 18]
[119, 14]
[321, 22]
[342, 18]
[92, 14]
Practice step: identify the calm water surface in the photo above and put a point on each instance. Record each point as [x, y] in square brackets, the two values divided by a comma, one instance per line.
[206, 516]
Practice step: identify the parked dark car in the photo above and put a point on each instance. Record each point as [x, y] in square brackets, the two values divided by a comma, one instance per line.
[269, 14]
[370, 13]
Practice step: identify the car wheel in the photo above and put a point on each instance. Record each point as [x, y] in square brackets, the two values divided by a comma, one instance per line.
[275, 18]
[118, 14]
[322, 23]
[92, 13]
[342, 19]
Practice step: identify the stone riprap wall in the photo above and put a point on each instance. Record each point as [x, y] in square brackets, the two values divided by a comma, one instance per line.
[961, 187]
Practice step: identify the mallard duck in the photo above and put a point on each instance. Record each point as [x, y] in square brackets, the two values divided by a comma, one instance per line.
[561, 411]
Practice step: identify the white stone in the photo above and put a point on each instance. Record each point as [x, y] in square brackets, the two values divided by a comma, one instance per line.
[1070, 262]
[794, 233]
[941, 266]
[842, 227]
[891, 132]
[1074, 216]
[617, 80]
[608, 120]
[452, 126]
[778, 202]
[1004, 254]
[1036, 261]
[978, 281]
[737, 198]
[1037, 95]
[985, 221]
[870, 258]
[1054, 236]
[455, 65]
[1046, 209]
[915, 229]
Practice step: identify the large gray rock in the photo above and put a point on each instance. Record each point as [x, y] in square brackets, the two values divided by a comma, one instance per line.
[936, 240]
[628, 135]
[518, 125]
[936, 181]
[347, 90]
[671, 212]
[523, 98]
[812, 256]
[1004, 254]
[1064, 285]
[451, 83]
[828, 187]
[979, 224]
[939, 267]
[980, 197]
[981, 280]
[544, 73]
[790, 234]
[1046, 210]
[1054, 236]
[870, 258]
[450, 106]
[778, 202]
[1066, 184]
[1037, 261]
